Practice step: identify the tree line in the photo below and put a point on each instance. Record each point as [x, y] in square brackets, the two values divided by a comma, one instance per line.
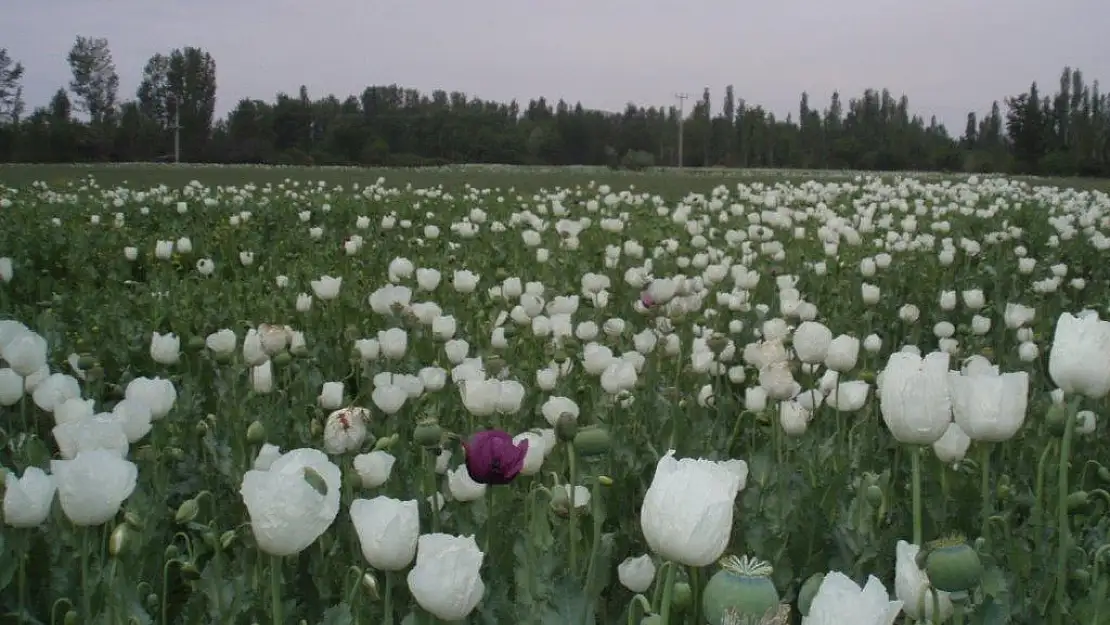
[1066, 133]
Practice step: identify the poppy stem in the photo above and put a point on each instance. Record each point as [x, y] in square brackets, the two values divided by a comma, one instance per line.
[1063, 529]
[490, 523]
[572, 514]
[915, 463]
[275, 590]
[985, 490]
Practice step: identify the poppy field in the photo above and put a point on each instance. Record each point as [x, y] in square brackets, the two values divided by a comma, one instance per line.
[847, 400]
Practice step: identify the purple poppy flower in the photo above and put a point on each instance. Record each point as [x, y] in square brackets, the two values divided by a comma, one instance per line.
[492, 458]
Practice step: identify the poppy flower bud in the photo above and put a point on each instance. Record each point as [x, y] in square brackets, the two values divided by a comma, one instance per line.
[592, 441]
[1104, 474]
[70, 618]
[953, 566]
[566, 427]
[256, 433]
[118, 540]
[683, 596]
[187, 511]
[492, 458]
[1077, 500]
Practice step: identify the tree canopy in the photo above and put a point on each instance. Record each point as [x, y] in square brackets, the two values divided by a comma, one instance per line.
[1066, 133]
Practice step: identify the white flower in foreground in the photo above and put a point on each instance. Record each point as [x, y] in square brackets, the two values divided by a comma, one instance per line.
[387, 530]
[165, 349]
[327, 287]
[27, 499]
[446, 580]
[92, 486]
[636, 574]
[293, 502]
[687, 512]
[1080, 358]
[913, 397]
[840, 601]
[374, 468]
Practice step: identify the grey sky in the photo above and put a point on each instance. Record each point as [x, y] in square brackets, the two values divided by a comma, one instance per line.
[948, 56]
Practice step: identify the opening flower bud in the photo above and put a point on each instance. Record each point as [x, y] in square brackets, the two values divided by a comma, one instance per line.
[566, 427]
[370, 585]
[118, 540]
[256, 433]
[428, 433]
[742, 585]
[592, 441]
[808, 591]
[187, 511]
[953, 566]
[315, 480]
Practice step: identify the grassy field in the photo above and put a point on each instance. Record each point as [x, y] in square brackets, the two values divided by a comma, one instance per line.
[659, 180]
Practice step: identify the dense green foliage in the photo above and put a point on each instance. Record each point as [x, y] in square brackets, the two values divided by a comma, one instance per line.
[1067, 133]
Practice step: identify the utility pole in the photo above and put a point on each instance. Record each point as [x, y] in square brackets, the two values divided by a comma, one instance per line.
[681, 114]
[176, 128]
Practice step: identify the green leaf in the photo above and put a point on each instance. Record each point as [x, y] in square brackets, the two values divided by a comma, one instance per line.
[568, 604]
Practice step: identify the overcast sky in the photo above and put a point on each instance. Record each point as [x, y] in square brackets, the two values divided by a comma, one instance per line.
[948, 56]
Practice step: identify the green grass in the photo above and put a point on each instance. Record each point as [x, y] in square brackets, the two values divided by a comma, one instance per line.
[523, 179]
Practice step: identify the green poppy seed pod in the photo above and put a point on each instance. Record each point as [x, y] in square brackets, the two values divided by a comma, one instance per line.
[187, 511]
[808, 591]
[315, 480]
[86, 362]
[282, 359]
[176, 453]
[874, 495]
[370, 585]
[495, 366]
[171, 553]
[223, 358]
[683, 596]
[428, 433]
[70, 618]
[209, 538]
[194, 344]
[592, 441]
[256, 433]
[566, 427]
[189, 571]
[1057, 419]
[1104, 474]
[227, 538]
[717, 343]
[1077, 501]
[118, 540]
[742, 585]
[954, 566]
